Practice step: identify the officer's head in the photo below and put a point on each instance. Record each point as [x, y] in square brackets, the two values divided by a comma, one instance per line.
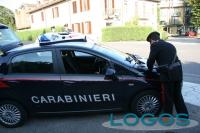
[153, 37]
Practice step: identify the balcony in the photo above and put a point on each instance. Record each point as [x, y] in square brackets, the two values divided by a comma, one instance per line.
[172, 3]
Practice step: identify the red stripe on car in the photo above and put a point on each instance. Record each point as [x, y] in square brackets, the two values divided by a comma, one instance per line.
[3, 85]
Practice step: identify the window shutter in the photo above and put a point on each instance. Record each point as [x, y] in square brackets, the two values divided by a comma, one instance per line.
[42, 16]
[53, 12]
[88, 5]
[32, 18]
[74, 7]
[81, 6]
[82, 25]
[90, 27]
[79, 28]
[113, 4]
[105, 5]
[72, 27]
[57, 12]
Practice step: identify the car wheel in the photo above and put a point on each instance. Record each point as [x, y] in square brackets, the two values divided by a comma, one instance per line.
[12, 114]
[146, 102]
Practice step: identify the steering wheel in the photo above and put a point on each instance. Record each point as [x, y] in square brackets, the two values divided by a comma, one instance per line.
[99, 63]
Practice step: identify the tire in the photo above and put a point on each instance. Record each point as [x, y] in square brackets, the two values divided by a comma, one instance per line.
[12, 114]
[146, 102]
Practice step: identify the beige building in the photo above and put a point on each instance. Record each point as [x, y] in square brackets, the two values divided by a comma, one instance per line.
[22, 17]
[174, 15]
[90, 16]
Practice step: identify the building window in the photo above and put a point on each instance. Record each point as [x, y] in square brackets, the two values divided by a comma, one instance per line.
[32, 18]
[85, 5]
[42, 16]
[55, 12]
[88, 28]
[74, 7]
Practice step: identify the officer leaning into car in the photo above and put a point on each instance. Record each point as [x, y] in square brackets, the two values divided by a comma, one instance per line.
[164, 54]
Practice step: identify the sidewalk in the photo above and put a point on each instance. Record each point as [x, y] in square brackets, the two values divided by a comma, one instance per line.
[184, 40]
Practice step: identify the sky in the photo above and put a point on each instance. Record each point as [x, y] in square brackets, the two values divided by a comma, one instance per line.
[14, 4]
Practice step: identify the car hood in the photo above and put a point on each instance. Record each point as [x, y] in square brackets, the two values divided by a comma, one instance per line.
[141, 63]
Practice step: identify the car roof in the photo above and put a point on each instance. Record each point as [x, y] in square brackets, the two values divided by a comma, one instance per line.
[36, 46]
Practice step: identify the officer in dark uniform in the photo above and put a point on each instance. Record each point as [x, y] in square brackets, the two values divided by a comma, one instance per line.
[164, 54]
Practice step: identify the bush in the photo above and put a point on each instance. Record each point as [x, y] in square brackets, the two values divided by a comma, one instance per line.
[125, 33]
[29, 35]
[163, 34]
[30, 38]
[129, 33]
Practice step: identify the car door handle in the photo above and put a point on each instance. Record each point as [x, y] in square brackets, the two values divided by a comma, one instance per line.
[13, 81]
[68, 82]
[131, 84]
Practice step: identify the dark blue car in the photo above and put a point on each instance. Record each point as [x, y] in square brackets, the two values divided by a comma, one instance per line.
[72, 76]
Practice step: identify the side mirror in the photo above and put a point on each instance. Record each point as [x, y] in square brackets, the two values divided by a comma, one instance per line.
[110, 74]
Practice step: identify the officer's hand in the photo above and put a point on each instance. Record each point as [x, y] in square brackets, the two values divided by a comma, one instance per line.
[148, 74]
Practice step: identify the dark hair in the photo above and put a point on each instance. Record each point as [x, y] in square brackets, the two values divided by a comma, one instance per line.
[153, 36]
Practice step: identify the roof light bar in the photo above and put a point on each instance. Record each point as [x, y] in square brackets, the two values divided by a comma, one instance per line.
[53, 38]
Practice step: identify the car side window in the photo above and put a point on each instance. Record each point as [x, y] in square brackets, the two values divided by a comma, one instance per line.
[77, 62]
[77, 53]
[35, 62]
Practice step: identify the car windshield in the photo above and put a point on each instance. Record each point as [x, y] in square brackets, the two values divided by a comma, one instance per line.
[7, 37]
[115, 55]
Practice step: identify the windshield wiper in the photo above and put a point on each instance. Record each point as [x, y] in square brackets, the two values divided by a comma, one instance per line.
[129, 59]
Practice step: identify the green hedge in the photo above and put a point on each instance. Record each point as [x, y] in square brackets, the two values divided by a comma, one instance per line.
[125, 33]
[128, 33]
[31, 35]
[163, 34]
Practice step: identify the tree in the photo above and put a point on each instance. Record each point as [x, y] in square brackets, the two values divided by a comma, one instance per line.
[7, 17]
[195, 4]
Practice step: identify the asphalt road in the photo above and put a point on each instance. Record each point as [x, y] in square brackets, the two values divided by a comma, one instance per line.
[92, 123]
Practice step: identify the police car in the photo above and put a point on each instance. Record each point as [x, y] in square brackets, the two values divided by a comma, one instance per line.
[73, 75]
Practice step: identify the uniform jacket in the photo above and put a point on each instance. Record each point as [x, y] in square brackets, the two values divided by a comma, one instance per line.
[162, 53]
